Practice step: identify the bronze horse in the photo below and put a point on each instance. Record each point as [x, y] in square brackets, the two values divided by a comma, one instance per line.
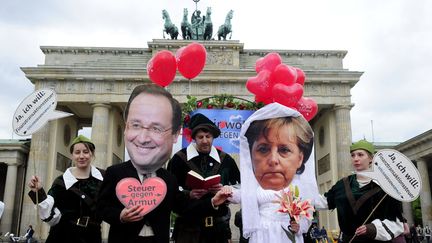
[186, 27]
[169, 27]
[225, 29]
[208, 25]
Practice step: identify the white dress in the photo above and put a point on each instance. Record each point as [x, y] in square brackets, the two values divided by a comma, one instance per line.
[271, 221]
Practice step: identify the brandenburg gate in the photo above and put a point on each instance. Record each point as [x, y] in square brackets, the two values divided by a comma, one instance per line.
[94, 83]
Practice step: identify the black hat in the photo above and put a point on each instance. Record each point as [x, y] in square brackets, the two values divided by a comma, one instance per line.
[201, 122]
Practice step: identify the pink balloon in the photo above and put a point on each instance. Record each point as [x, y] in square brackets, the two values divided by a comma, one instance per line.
[287, 95]
[307, 107]
[268, 62]
[191, 60]
[301, 76]
[260, 84]
[161, 68]
[283, 74]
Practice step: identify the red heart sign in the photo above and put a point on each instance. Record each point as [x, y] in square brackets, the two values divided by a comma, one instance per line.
[287, 95]
[222, 124]
[148, 195]
[307, 107]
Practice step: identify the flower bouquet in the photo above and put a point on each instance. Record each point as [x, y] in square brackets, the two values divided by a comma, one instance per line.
[291, 203]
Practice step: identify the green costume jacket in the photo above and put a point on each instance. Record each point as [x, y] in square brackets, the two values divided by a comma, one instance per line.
[354, 204]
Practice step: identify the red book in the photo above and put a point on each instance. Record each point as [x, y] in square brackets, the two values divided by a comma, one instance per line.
[196, 181]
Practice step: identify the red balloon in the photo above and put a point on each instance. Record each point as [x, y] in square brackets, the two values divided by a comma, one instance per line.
[307, 107]
[161, 68]
[264, 100]
[191, 60]
[179, 52]
[301, 76]
[283, 74]
[268, 62]
[260, 84]
[287, 95]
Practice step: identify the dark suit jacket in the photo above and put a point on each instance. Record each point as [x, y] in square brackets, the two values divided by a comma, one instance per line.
[109, 207]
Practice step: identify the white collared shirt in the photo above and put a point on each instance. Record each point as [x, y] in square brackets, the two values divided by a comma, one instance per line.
[192, 152]
[70, 180]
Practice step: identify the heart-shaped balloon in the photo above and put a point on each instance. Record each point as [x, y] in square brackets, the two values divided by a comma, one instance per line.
[162, 67]
[260, 85]
[301, 76]
[148, 195]
[179, 52]
[283, 74]
[307, 107]
[265, 100]
[268, 62]
[191, 60]
[287, 95]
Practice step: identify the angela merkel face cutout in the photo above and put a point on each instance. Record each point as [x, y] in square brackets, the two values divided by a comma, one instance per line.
[275, 151]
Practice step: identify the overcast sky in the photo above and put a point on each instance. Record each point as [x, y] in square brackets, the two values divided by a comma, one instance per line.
[389, 40]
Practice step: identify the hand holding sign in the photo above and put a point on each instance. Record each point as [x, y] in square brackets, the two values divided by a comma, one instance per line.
[35, 111]
[147, 195]
[395, 174]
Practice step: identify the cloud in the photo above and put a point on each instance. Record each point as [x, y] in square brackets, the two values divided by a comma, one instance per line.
[390, 41]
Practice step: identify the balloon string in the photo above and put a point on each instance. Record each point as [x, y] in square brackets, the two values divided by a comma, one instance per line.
[373, 210]
[190, 86]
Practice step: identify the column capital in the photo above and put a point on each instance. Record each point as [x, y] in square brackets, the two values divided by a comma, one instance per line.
[105, 105]
[14, 164]
[343, 106]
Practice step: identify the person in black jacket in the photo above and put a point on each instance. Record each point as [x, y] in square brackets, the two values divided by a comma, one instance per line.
[356, 196]
[203, 158]
[153, 120]
[239, 223]
[70, 205]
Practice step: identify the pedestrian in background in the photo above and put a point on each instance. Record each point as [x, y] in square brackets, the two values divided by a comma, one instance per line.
[29, 234]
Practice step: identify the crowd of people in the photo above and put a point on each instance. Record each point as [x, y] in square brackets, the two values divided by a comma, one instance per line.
[275, 147]
[316, 235]
[418, 234]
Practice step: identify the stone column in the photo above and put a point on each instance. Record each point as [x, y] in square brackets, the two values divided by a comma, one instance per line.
[100, 133]
[9, 198]
[343, 139]
[407, 212]
[38, 164]
[425, 194]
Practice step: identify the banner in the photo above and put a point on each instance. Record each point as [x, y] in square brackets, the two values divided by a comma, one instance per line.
[229, 122]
